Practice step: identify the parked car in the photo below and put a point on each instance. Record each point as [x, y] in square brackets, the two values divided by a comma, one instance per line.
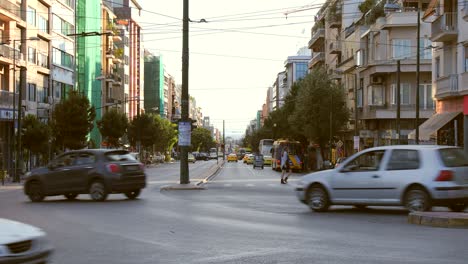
[232, 157]
[200, 155]
[97, 172]
[415, 176]
[23, 243]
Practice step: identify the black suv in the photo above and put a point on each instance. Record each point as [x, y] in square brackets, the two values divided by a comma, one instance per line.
[97, 172]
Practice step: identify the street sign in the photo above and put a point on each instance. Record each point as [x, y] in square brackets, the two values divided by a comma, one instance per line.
[339, 144]
[356, 142]
[184, 133]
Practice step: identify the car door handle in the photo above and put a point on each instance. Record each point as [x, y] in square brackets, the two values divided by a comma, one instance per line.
[88, 167]
[375, 176]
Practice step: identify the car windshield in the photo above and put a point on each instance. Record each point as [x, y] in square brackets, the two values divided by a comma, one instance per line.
[119, 156]
[453, 157]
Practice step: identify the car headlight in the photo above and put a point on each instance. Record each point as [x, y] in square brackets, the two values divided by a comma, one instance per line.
[41, 242]
[3, 251]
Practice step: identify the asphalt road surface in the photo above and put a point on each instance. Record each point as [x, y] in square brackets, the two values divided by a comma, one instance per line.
[243, 216]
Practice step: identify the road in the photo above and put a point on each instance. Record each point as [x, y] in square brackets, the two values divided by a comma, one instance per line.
[243, 216]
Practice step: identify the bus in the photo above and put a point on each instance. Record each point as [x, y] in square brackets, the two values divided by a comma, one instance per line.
[265, 148]
[295, 154]
[213, 154]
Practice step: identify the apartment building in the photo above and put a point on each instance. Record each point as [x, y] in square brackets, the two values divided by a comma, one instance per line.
[113, 60]
[25, 48]
[449, 35]
[130, 11]
[362, 53]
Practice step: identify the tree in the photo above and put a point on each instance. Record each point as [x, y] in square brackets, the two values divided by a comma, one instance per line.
[320, 108]
[72, 121]
[113, 126]
[142, 129]
[202, 139]
[35, 136]
[166, 134]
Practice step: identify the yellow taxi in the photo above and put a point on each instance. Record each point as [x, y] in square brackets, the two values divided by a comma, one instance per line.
[245, 158]
[250, 159]
[232, 157]
[267, 160]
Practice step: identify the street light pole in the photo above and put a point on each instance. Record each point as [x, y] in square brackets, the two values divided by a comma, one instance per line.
[184, 172]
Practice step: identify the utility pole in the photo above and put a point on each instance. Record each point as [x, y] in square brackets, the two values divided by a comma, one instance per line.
[417, 74]
[398, 102]
[356, 132]
[224, 143]
[184, 172]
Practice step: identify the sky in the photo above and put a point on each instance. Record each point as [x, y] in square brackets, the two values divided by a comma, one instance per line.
[235, 56]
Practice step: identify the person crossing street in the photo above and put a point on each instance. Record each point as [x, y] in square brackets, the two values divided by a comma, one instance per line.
[285, 166]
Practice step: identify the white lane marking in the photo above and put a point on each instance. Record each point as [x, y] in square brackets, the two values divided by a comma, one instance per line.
[227, 185]
[250, 185]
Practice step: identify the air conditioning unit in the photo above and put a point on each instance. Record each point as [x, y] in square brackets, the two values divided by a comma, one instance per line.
[376, 79]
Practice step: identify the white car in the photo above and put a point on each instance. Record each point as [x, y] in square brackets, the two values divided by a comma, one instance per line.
[415, 176]
[23, 243]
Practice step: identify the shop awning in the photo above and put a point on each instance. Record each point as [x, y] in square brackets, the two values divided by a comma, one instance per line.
[428, 129]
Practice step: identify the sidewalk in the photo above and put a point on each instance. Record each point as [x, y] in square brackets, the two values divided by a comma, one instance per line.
[9, 185]
[439, 219]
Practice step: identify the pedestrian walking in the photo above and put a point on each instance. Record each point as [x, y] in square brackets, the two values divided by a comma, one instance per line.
[285, 167]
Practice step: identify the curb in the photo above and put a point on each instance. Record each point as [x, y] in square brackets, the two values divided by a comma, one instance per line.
[439, 219]
[195, 186]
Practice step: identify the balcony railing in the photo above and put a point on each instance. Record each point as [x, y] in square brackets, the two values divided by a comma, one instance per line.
[316, 58]
[447, 86]
[445, 27]
[335, 47]
[43, 60]
[316, 35]
[11, 7]
[6, 98]
[7, 52]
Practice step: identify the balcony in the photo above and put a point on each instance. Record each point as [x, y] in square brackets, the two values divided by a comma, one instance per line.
[335, 20]
[110, 54]
[6, 99]
[316, 58]
[43, 60]
[335, 47]
[447, 86]
[403, 19]
[317, 38]
[445, 28]
[7, 8]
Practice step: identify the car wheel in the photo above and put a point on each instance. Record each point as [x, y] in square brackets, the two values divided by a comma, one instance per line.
[71, 196]
[458, 207]
[417, 200]
[318, 199]
[262, 167]
[97, 191]
[35, 192]
[132, 194]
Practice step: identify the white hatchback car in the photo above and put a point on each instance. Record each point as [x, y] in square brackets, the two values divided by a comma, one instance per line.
[415, 176]
[22, 243]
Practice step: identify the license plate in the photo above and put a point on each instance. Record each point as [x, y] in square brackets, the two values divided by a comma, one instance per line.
[132, 167]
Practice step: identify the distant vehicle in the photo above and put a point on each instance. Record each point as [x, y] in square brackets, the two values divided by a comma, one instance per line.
[191, 158]
[23, 243]
[265, 147]
[258, 161]
[97, 172]
[213, 154]
[250, 159]
[415, 176]
[200, 155]
[232, 157]
[294, 149]
[242, 151]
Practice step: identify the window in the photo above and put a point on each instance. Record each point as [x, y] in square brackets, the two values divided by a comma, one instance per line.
[61, 26]
[69, 3]
[126, 59]
[426, 101]
[31, 54]
[126, 78]
[437, 67]
[62, 58]
[401, 48]
[65, 160]
[43, 24]
[425, 50]
[466, 53]
[405, 92]
[369, 161]
[375, 95]
[61, 89]
[31, 16]
[41, 95]
[84, 158]
[453, 157]
[360, 92]
[31, 92]
[301, 70]
[403, 159]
